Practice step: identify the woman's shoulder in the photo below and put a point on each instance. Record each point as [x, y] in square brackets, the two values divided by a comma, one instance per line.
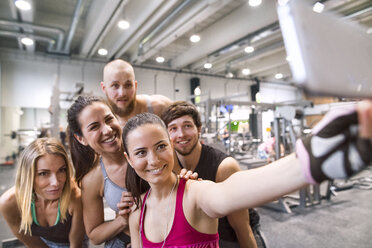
[93, 177]
[8, 201]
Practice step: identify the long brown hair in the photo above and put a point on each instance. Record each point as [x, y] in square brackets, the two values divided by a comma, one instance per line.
[82, 156]
[134, 183]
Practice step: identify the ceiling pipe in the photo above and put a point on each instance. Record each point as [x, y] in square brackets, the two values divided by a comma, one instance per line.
[33, 36]
[165, 22]
[98, 18]
[26, 25]
[235, 50]
[156, 10]
[109, 24]
[75, 20]
[199, 13]
[244, 19]
[245, 40]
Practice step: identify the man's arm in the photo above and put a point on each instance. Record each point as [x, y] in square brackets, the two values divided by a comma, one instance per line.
[238, 220]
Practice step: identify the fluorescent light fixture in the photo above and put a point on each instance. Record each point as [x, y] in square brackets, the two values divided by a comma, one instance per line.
[123, 24]
[254, 3]
[278, 76]
[249, 49]
[160, 59]
[246, 71]
[194, 38]
[207, 65]
[22, 5]
[27, 41]
[102, 51]
[318, 7]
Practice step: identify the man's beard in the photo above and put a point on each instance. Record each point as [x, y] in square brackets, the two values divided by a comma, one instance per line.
[122, 112]
[185, 153]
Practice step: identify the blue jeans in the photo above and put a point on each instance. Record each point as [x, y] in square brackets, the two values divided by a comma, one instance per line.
[51, 244]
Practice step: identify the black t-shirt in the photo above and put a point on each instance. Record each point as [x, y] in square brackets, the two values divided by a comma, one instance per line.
[210, 160]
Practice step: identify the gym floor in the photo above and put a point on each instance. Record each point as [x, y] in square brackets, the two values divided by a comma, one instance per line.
[344, 221]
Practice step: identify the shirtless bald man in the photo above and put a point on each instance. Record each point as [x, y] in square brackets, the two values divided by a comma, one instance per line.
[120, 87]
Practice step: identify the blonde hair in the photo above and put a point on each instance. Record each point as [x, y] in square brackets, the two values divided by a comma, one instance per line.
[26, 174]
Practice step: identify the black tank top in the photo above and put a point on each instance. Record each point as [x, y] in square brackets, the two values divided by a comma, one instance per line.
[58, 233]
[210, 159]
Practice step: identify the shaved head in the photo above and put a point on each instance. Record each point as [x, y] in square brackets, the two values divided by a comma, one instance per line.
[115, 66]
[119, 86]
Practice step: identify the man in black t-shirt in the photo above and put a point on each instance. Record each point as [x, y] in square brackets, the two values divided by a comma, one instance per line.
[183, 123]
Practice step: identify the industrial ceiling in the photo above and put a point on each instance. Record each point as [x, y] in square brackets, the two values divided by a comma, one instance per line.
[78, 29]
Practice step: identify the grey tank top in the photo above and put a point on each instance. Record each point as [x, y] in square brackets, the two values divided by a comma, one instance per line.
[149, 106]
[111, 191]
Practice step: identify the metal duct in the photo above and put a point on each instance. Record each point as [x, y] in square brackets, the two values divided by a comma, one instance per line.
[26, 25]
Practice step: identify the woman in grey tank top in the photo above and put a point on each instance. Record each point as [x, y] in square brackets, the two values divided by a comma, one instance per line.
[97, 154]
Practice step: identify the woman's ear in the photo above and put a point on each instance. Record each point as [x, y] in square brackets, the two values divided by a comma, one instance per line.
[127, 158]
[81, 139]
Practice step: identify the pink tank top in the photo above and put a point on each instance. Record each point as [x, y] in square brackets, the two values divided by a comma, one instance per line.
[182, 234]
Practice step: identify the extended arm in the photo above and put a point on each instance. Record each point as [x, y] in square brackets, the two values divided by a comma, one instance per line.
[250, 188]
[333, 150]
[10, 211]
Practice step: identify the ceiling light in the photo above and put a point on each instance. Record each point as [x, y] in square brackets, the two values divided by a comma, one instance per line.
[102, 51]
[369, 31]
[160, 59]
[318, 7]
[258, 97]
[22, 5]
[246, 71]
[207, 65]
[229, 75]
[278, 76]
[27, 41]
[288, 58]
[194, 38]
[254, 3]
[249, 49]
[123, 24]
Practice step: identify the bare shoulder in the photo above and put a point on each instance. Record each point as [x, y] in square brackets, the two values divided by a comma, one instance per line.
[75, 194]
[227, 167]
[93, 180]
[8, 202]
[160, 99]
[159, 103]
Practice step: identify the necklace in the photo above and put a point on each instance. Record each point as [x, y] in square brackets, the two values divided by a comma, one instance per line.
[167, 220]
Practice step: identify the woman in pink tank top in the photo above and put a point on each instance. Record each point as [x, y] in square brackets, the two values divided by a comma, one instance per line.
[175, 213]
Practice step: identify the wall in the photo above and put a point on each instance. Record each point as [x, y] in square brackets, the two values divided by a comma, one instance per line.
[27, 81]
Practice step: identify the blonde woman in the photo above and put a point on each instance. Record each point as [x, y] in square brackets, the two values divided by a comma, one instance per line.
[44, 208]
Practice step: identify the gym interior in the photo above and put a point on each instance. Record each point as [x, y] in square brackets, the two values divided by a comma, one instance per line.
[228, 57]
